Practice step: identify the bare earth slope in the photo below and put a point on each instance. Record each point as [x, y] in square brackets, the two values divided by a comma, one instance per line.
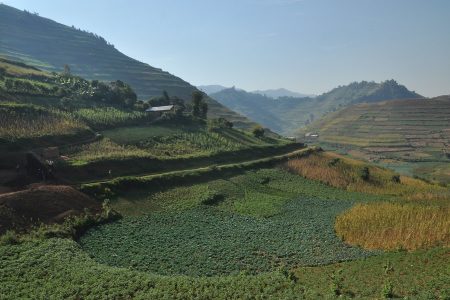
[46, 204]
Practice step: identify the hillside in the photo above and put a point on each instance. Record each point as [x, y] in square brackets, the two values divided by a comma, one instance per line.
[412, 130]
[286, 115]
[101, 128]
[50, 46]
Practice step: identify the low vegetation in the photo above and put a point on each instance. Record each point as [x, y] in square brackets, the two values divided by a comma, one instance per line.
[260, 193]
[109, 117]
[253, 222]
[59, 268]
[354, 175]
[20, 121]
[151, 143]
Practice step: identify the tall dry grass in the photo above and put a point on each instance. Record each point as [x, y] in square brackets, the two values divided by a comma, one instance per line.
[391, 226]
[342, 172]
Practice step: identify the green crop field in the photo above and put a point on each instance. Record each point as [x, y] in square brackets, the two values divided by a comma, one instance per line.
[253, 222]
[153, 142]
[222, 239]
[204, 241]
[156, 144]
[108, 117]
[20, 121]
[130, 135]
[58, 268]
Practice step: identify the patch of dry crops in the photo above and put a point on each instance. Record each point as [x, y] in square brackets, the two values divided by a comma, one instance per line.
[391, 226]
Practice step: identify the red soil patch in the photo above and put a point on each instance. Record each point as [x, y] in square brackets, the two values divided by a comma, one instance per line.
[43, 204]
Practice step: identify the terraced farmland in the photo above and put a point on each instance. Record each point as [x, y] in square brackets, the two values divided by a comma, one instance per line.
[415, 130]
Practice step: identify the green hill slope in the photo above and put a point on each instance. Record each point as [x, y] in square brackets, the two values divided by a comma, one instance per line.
[49, 45]
[287, 114]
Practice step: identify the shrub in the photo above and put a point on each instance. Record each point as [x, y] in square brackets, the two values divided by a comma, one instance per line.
[365, 173]
[219, 123]
[9, 238]
[336, 282]
[388, 290]
[212, 198]
[258, 131]
[334, 162]
[396, 179]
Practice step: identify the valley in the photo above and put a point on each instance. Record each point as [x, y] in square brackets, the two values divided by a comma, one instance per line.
[119, 180]
[287, 114]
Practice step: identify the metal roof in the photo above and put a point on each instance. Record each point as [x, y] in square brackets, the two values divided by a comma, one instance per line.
[160, 108]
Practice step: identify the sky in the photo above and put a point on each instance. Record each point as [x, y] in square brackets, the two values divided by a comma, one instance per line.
[308, 46]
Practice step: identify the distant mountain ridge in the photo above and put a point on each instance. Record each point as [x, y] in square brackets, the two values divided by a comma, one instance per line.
[286, 115]
[271, 93]
[281, 92]
[49, 45]
[212, 88]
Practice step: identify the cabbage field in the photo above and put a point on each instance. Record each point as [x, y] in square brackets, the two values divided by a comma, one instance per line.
[205, 241]
[255, 222]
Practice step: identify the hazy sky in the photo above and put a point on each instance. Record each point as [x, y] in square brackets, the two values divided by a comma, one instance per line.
[308, 46]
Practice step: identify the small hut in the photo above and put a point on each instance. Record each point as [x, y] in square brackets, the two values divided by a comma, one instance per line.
[160, 109]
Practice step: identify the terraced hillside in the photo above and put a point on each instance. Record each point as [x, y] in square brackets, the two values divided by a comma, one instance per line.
[286, 115]
[416, 130]
[50, 46]
[243, 232]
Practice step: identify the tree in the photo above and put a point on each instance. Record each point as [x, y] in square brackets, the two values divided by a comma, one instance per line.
[203, 110]
[258, 131]
[66, 70]
[219, 123]
[199, 106]
[166, 96]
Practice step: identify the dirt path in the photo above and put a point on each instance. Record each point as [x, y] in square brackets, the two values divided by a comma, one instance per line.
[287, 155]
